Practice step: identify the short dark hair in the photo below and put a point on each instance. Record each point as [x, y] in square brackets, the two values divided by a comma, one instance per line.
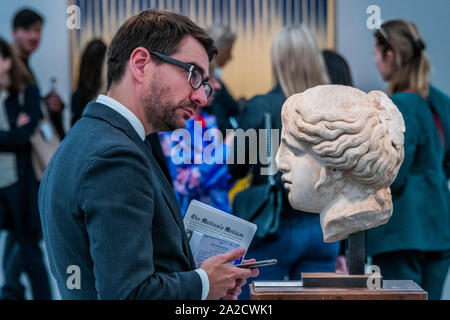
[160, 31]
[25, 18]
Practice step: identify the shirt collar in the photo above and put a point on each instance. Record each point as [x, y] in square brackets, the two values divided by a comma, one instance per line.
[125, 112]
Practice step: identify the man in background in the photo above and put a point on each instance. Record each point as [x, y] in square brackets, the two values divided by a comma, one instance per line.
[27, 30]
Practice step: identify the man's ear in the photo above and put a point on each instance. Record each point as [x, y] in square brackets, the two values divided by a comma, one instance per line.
[139, 59]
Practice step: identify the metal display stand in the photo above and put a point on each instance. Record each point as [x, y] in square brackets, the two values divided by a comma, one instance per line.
[355, 278]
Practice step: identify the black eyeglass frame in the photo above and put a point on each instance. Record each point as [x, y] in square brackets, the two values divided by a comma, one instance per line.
[188, 67]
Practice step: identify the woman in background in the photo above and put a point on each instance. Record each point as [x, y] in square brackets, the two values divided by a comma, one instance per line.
[19, 187]
[415, 243]
[90, 78]
[297, 65]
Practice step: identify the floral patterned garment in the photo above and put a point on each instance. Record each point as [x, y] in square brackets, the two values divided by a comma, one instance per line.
[198, 166]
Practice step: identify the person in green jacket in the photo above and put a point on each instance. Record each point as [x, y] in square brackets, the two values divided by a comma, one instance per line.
[415, 243]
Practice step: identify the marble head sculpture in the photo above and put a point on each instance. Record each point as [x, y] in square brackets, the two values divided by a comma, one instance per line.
[340, 151]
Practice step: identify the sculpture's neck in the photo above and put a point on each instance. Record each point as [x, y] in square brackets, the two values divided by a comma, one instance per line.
[353, 212]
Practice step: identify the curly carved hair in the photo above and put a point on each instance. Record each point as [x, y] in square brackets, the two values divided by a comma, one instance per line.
[348, 130]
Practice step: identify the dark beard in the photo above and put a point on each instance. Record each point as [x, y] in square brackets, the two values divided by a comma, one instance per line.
[161, 114]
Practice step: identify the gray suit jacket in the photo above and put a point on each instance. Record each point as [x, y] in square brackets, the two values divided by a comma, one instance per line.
[107, 208]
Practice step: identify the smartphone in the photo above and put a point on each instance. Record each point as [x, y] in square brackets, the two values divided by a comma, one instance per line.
[257, 264]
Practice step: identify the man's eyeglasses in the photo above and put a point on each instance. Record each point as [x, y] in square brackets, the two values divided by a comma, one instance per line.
[195, 78]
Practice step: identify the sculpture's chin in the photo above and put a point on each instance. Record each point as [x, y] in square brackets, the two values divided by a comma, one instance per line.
[302, 206]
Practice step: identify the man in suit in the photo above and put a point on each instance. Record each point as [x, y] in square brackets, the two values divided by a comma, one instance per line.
[111, 222]
[27, 28]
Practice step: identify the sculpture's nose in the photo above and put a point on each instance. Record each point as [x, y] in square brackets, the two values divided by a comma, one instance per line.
[280, 160]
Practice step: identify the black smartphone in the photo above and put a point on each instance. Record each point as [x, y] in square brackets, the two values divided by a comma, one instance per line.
[257, 264]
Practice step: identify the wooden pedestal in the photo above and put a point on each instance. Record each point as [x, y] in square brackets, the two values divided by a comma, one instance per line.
[392, 290]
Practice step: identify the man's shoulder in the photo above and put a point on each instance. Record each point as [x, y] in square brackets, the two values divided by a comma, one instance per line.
[94, 133]
[93, 138]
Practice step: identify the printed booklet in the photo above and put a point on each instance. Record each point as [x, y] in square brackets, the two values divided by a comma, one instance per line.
[211, 231]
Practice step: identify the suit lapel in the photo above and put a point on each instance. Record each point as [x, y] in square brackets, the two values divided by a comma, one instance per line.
[171, 200]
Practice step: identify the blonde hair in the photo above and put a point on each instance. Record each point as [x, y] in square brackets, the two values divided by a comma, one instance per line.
[411, 68]
[296, 60]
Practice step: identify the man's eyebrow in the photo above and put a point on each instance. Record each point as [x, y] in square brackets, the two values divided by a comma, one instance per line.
[199, 69]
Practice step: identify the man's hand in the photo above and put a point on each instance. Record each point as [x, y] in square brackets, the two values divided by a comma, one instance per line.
[223, 277]
[22, 120]
[234, 293]
[54, 103]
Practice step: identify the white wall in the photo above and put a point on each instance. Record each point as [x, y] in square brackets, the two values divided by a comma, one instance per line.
[355, 41]
[52, 58]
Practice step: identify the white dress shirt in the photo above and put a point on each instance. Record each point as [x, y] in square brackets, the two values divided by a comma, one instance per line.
[139, 127]
[125, 112]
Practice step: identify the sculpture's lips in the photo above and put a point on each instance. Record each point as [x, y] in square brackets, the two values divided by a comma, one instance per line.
[283, 177]
[287, 183]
